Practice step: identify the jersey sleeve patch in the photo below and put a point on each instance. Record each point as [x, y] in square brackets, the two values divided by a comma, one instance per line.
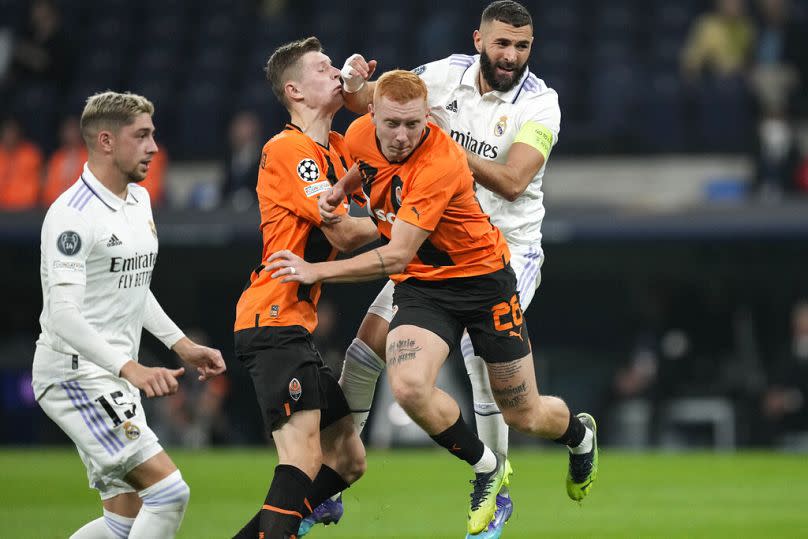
[536, 136]
[308, 171]
[420, 69]
[68, 243]
[317, 188]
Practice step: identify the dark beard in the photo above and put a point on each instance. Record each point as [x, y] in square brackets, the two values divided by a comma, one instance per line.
[500, 85]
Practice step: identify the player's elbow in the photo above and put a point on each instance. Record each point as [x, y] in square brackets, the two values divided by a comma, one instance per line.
[397, 262]
[513, 191]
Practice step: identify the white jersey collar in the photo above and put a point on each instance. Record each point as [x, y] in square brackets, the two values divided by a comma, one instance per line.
[110, 199]
[470, 77]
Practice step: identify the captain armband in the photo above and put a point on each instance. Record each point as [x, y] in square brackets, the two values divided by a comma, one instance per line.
[536, 136]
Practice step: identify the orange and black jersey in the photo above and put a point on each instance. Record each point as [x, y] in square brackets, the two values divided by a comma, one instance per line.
[294, 170]
[432, 189]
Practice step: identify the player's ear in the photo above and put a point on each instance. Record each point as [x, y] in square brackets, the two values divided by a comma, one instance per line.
[478, 41]
[371, 110]
[292, 91]
[105, 141]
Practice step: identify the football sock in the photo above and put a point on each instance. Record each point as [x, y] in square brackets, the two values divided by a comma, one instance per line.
[285, 503]
[250, 530]
[491, 427]
[110, 526]
[326, 484]
[574, 434]
[461, 442]
[164, 505]
[586, 444]
[360, 371]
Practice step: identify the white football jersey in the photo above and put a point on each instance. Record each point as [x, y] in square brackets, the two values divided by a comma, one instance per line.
[487, 125]
[91, 236]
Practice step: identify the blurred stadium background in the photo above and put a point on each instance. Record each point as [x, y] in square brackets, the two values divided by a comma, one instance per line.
[674, 303]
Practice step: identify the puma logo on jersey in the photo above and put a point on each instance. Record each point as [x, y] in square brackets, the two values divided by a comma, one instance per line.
[114, 241]
[518, 334]
[452, 107]
[416, 212]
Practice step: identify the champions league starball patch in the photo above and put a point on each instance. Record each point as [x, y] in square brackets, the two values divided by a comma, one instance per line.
[308, 171]
[295, 389]
[69, 243]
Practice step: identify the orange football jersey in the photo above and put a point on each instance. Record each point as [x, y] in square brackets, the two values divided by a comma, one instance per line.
[293, 171]
[432, 189]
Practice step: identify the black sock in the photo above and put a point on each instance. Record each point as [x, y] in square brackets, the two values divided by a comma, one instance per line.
[285, 503]
[461, 442]
[250, 530]
[326, 484]
[575, 433]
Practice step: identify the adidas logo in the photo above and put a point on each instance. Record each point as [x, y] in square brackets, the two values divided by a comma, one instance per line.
[114, 241]
[452, 107]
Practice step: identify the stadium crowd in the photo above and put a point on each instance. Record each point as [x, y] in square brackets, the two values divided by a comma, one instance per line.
[635, 78]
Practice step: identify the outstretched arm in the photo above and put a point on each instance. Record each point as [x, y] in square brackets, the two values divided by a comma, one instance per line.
[386, 260]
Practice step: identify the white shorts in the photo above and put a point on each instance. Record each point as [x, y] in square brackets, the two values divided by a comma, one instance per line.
[526, 263]
[104, 418]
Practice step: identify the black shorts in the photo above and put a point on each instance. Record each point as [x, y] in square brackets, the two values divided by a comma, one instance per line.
[289, 375]
[487, 306]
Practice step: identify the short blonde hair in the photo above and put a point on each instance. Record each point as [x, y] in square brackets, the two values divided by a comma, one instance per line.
[400, 86]
[111, 111]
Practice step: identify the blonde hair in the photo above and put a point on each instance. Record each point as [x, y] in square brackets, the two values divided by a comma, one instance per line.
[400, 86]
[111, 111]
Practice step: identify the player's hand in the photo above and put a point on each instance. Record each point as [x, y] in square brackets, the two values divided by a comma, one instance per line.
[153, 381]
[355, 72]
[290, 268]
[329, 202]
[208, 362]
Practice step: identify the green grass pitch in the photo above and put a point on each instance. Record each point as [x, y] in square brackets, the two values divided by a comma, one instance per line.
[424, 493]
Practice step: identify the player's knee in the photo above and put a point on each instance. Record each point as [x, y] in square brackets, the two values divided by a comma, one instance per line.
[356, 468]
[409, 394]
[526, 419]
[169, 494]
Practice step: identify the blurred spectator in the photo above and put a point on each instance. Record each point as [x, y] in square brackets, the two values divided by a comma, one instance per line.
[41, 69]
[193, 417]
[720, 42]
[42, 52]
[67, 162]
[20, 168]
[785, 401]
[155, 178]
[241, 161]
[271, 9]
[776, 81]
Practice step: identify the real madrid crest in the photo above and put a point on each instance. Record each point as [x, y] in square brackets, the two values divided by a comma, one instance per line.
[295, 389]
[131, 430]
[501, 126]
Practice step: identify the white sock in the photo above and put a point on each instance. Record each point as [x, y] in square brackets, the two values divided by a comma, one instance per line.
[164, 505]
[586, 444]
[360, 372]
[487, 463]
[491, 428]
[110, 526]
